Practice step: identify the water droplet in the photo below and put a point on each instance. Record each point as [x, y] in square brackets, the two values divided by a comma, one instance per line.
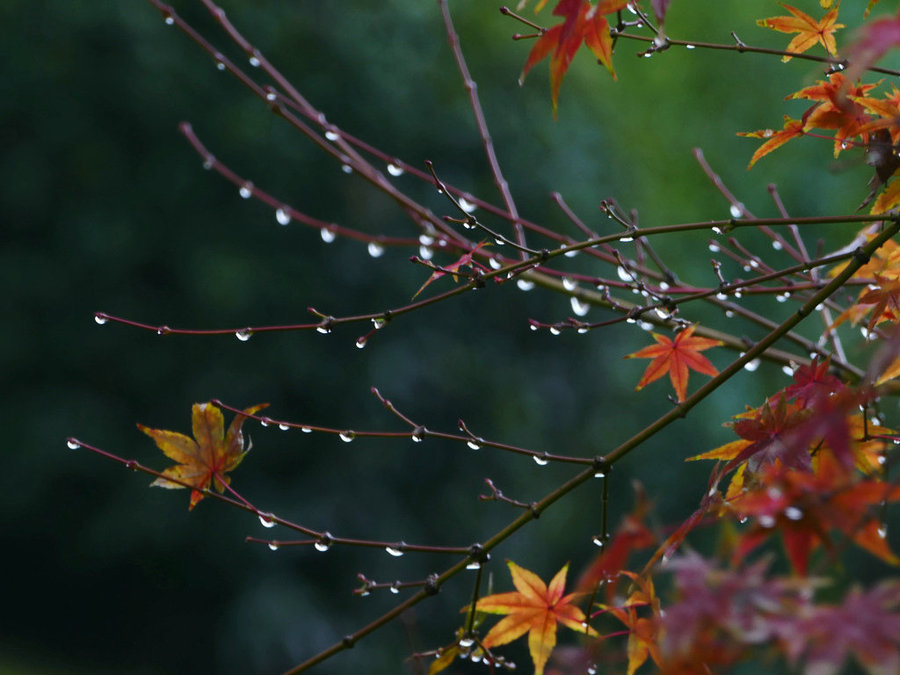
[361, 342]
[474, 565]
[495, 264]
[623, 274]
[170, 20]
[787, 370]
[882, 531]
[721, 296]
[220, 65]
[533, 326]
[267, 520]
[742, 520]
[598, 541]
[375, 250]
[555, 330]
[273, 546]
[793, 513]
[271, 96]
[579, 308]
[332, 135]
[686, 47]
[395, 587]
[347, 436]
[282, 216]
[569, 284]
[736, 210]
[306, 430]
[524, 284]
[246, 190]
[717, 230]
[346, 168]
[729, 314]
[599, 474]
[395, 170]
[752, 365]
[379, 322]
[163, 330]
[244, 334]
[499, 242]
[324, 542]
[254, 61]
[283, 426]
[473, 445]
[265, 421]
[466, 642]
[100, 319]
[72, 444]
[541, 460]
[715, 248]
[466, 205]
[327, 235]
[820, 307]
[626, 239]
[209, 162]
[396, 550]
[766, 521]
[418, 434]
[782, 297]
[777, 245]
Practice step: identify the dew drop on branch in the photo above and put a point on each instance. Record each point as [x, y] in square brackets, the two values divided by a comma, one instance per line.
[395, 170]
[273, 546]
[541, 460]
[283, 426]
[425, 253]
[714, 247]
[361, 342]
[777, 245]
[736, 210]
[244, 334]
[72, 444]
[466, 205]
[473, 445]
[554, 331]
[100, 319]
[751, 365]
[376, 250]
[169, 20]
[324, 542]
[524, 284]
[379, 322]
[474, 565]
[254, 60]
[306, 430]
[623, 274]
[332, 135]
[327, 235]
[282, 216]
[569, 284]
[246, 190]
[395, 587]
[267, 520]
[220, 65]
[347, 436]
[793, 513]
[396, 550]
[418, 434]
[579, 308]
[690, 46]
[346, 168]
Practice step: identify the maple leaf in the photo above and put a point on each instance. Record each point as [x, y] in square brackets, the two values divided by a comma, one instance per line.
[676, 357]
[812, 381]
[582, 23]
[536, 609]
[206, 458]
[452, 269]
[809, 30]
[774, 139]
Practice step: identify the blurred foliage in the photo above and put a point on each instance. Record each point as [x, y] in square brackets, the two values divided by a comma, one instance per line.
[107, 208]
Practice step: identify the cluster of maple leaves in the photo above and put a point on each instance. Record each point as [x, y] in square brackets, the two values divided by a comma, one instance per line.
[808, 466]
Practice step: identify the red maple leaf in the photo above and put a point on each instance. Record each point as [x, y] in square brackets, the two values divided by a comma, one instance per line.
[677, 358]
[205, 459]
[812, 381]
[582, 23]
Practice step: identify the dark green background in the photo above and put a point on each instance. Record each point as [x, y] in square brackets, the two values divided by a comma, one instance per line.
[105, 207]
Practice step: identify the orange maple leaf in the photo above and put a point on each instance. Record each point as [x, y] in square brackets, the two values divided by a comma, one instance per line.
[207, 459]
[676, 357]
[774, 139]
[809, 30]
[536, 609]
